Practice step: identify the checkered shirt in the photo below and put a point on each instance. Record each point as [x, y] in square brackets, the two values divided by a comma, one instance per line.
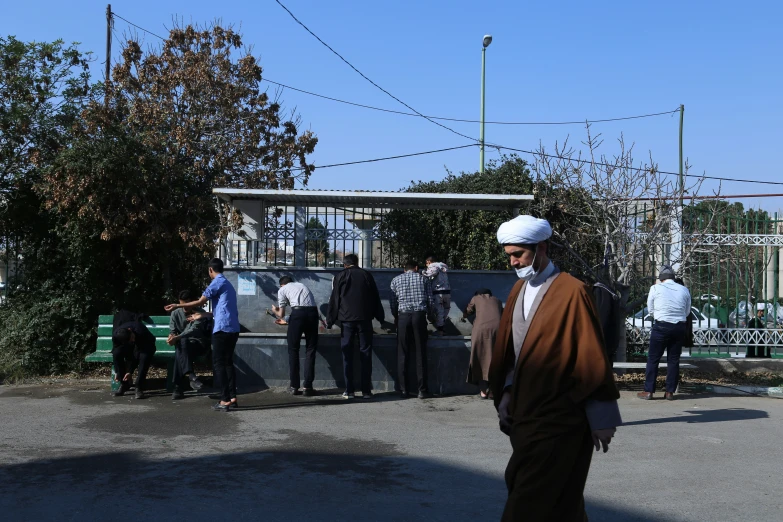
[411, 292]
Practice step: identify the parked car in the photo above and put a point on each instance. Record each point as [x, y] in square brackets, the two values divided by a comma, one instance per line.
[642, 319]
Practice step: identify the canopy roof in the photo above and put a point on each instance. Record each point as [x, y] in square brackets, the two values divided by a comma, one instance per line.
[350, 198]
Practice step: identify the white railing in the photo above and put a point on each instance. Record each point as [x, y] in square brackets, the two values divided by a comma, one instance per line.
[719, 339]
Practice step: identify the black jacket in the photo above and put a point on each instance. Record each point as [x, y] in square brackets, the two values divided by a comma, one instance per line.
[354, 297]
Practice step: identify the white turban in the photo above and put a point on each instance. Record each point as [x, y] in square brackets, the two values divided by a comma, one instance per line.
[524, 230]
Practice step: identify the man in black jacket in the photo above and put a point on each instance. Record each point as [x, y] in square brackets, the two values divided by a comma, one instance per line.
[133, 345]
[355, 302]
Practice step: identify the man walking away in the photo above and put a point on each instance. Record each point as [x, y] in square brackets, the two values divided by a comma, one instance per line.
[190, 340]
[355, 302]
[225, 332]
[669, 304]
[441, 291]
[411, 301]
[303, 320]
[758, 324]
[133, 345]
[551, 380]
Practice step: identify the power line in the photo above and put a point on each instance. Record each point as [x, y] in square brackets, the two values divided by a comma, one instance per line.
[369, 80]
[637, 169]
[390, 157]
[432, 118]
[581, 122]
[136, 26]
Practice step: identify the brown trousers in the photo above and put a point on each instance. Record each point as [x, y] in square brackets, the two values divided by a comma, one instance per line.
[546, 479]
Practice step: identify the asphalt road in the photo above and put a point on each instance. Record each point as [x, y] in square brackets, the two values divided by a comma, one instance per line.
[73, 452]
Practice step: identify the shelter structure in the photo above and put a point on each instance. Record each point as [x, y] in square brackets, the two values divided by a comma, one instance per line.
[305, 234]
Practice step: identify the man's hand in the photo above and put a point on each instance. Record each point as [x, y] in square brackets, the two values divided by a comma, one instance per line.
[171, 307]
[127, 377]
[172, 340]
[195, 317]
[503, 414]
[603, 438]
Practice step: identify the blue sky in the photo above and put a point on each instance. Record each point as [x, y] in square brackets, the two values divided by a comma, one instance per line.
[549, 61]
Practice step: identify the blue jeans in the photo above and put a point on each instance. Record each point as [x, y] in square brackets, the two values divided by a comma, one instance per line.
[364, 331]
[668, 337]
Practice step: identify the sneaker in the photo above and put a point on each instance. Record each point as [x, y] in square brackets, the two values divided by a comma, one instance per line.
[177, 395]
[309, 392]
[195, 383]
[347, 395]
[294, 391]
[403, 394]
[425, 395]
[366, 395]
[139, 394]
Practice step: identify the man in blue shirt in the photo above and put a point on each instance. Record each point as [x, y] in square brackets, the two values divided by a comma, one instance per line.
[223, 298]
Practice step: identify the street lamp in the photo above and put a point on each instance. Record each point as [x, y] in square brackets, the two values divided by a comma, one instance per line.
[486, 42]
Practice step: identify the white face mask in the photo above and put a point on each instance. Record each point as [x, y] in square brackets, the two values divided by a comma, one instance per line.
[527, 273]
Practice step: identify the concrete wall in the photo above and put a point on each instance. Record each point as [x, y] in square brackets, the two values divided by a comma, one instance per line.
[262, 361]
[319, 280]
[262, 354]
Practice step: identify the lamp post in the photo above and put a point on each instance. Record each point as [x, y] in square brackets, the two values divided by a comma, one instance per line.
[486, 42]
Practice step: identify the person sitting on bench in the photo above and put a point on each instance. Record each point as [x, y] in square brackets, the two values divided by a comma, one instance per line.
[191, 340]
[133, 345]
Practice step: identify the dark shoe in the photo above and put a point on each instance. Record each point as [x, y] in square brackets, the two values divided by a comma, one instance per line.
[177, 395]
[669, 396]
[221, 407]
[425, 395]
[309, 392]
[403, 394]
[367, 395]
[196, 384]
[646, 396]
[139, 394]
[124, 386]
[294, 391]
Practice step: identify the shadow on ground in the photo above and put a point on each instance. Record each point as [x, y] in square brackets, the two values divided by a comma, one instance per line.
[693, 416]
[351, 479]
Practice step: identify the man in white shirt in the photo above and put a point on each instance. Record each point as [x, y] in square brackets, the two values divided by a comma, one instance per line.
[303, 320]
[669, 304]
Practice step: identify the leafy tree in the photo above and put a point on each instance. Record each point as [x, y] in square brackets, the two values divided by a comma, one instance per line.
[318, 248]
[122, 194]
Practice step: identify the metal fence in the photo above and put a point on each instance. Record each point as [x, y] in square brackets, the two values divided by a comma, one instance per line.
[316, 237]
[732, 260]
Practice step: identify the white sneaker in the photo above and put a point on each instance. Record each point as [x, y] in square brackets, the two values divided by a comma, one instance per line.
[347, 395]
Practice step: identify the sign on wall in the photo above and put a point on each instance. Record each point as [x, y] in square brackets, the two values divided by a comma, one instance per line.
[247, 283]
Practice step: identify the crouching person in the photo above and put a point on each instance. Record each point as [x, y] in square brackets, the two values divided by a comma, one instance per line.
[191, 339]
[133, 346]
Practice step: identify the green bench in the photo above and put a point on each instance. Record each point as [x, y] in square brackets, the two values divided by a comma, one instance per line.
[164, 354]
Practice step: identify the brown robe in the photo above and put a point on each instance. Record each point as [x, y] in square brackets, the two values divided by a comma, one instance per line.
[561, 364]
[482, 339]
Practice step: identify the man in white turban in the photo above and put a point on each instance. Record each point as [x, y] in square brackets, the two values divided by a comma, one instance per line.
[552, 382]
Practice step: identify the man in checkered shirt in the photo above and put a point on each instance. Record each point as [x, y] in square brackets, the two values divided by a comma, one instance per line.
[411, 302]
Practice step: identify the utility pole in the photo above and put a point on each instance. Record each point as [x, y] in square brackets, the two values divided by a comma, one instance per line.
[109, 23]
[682, 174]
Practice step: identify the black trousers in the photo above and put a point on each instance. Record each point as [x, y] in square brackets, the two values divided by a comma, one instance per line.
[302, 321]
[126, 360]
[223, 346]
[412, 327]
[185, 352]
[668, 337]
[363, 329]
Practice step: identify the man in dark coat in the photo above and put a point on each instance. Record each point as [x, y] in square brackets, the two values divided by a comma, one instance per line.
[355, 302]
[133, 345]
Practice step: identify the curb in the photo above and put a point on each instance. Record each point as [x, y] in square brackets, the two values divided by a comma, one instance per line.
[767, 391]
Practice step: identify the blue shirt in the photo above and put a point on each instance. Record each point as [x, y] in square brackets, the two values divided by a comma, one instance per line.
[223, 298]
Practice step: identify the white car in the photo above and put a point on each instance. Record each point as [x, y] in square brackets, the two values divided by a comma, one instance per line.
[642, 319]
